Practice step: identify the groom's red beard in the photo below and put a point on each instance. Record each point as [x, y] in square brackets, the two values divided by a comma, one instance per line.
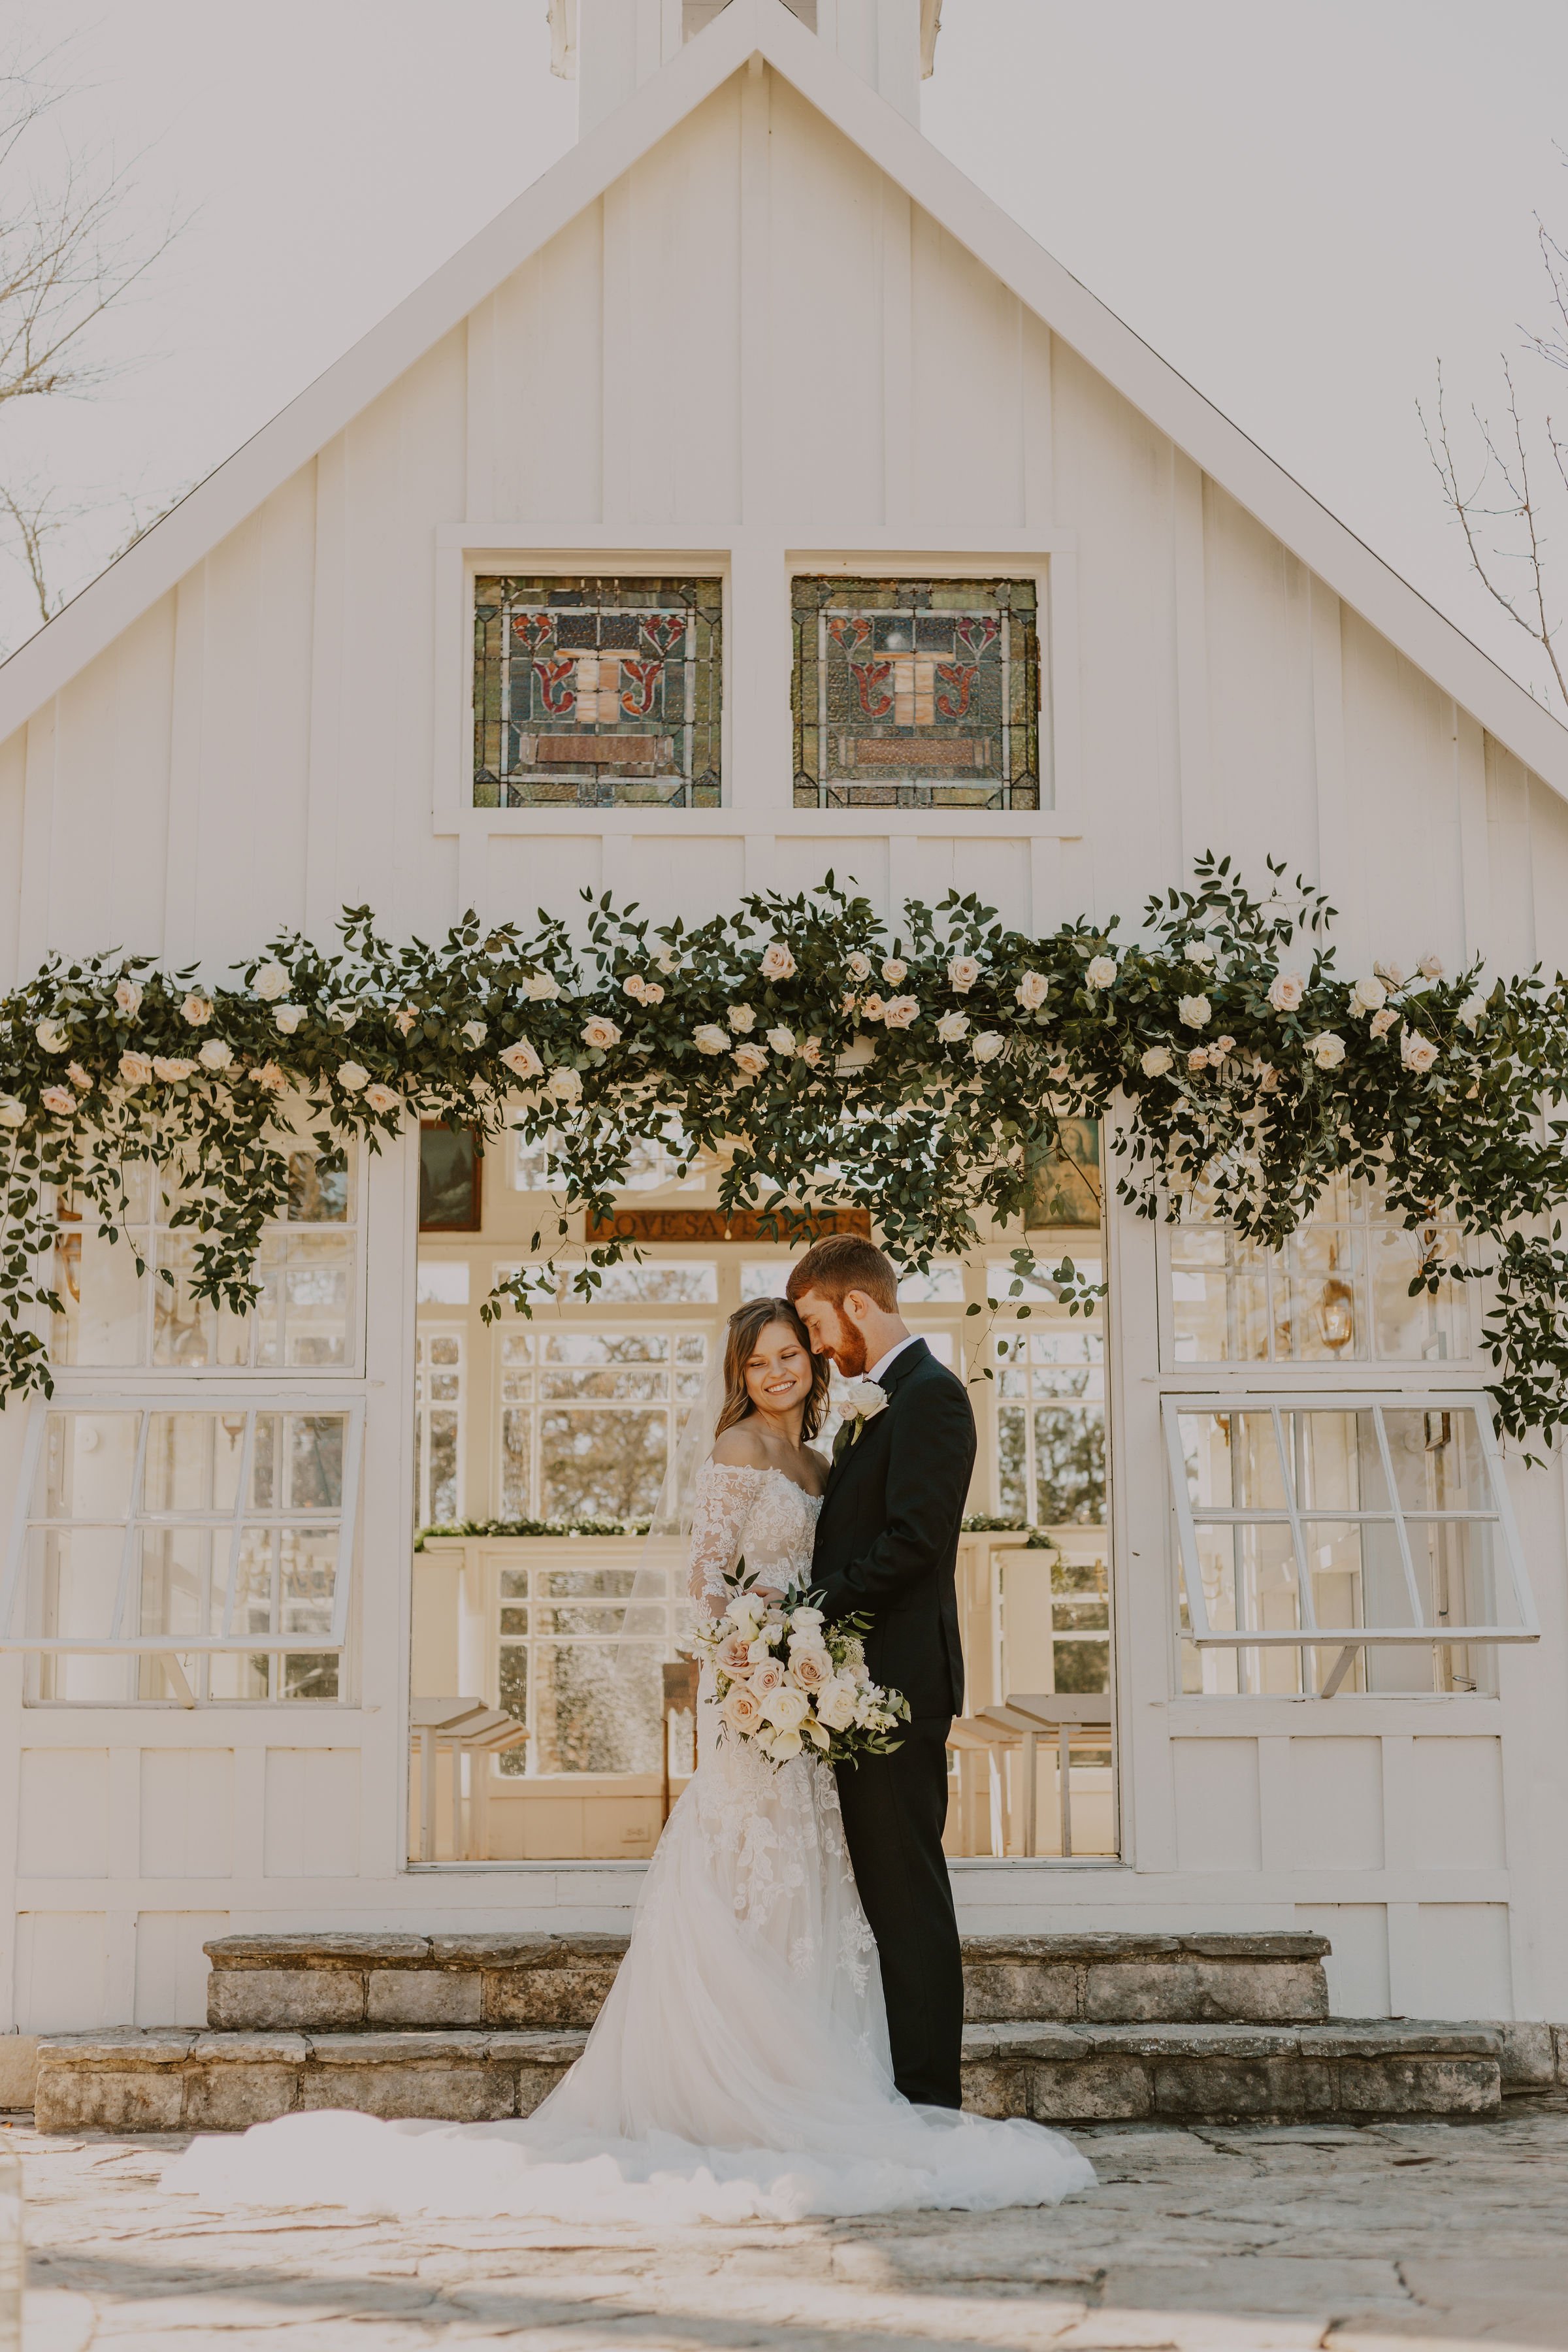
[846, 1349]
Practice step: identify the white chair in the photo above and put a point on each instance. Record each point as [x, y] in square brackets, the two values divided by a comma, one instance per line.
[1085, 1717]
[465, 1726]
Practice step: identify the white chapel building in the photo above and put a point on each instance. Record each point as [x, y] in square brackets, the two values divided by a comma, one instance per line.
[752, 498]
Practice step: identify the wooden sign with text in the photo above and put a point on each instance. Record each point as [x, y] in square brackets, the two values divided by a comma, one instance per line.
[666, 1225]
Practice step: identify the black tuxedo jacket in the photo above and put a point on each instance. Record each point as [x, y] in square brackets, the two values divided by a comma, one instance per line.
[887, 1540]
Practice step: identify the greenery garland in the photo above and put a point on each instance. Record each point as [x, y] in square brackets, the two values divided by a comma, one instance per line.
[822, 1061]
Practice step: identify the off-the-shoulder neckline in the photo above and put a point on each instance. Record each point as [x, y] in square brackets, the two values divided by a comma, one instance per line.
[768, 1470]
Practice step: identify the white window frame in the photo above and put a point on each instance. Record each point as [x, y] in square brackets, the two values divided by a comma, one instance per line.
[424, 1405]
[146, 1401]
[1345, 1640]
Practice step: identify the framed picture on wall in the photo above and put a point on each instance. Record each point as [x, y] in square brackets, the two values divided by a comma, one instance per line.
[451, 1172]
[1066, 1187]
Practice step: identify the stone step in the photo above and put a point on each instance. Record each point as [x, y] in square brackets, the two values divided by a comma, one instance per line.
[338, 1983]
[1351, 2071]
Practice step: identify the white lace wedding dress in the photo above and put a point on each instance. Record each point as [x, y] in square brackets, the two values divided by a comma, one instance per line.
[740, 2067]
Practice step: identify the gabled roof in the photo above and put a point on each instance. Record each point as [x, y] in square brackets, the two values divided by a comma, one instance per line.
[39, 669]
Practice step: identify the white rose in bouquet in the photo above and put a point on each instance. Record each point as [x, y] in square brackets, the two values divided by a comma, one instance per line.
[767, 1678]
[740, 1710]
[812, 1669]
[784, 1708]
[732, 1656]
[835, 1705]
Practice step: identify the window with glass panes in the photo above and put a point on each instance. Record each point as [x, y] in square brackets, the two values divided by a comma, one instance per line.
[588, 1417]
[304, 1321]
[437, 1426]
[1338, 1292]
[586, 1685]
[203, 1530]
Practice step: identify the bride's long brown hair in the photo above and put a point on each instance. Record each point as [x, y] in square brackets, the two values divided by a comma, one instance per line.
[744, 1328]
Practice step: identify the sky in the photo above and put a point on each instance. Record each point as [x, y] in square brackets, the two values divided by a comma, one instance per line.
[1302, 208]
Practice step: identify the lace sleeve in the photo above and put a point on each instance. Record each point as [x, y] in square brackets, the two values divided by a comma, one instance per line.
[725, 1493]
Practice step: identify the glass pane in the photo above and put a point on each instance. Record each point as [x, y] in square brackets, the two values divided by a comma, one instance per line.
[315, 1460]
[234, 1675]
[1334, 1565]
[185, 1330]
[1012, 1490]
[443, 1467]
[1437, 1460]
[638, 1380]
[763, 1277]
[596, 692]
[514, 1584]
[73, 1579]
[308, 1559]
[601, 1466]
[1456, 1573]
[312, 1676]
[1232, 1461]
[671, 1283]
[1326, 1459]
[1328, 1294]
[192, 1461]
[515, 1621]
[315, 1295]
[594, 1716]
[254, 1582]
[513, 1697]
[1069, 1465]
[516, 1483]
[176, 1565]
[104, 1298]
[576, 1617]
[1081, 1666]
[319, 1195]
[445, 1347]
[602, 1583]
[86, 1468]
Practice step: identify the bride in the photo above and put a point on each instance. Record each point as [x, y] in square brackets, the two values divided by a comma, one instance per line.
[740, 2067]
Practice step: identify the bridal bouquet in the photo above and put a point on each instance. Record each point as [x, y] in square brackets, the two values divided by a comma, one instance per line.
[785, 1681]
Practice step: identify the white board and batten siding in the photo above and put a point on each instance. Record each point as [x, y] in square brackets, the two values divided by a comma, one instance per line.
[758, 351]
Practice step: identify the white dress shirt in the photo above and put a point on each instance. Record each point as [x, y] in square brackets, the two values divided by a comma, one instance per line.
[896, 1350]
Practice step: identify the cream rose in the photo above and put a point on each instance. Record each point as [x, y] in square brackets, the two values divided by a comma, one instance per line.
[381, 1098]
[894, 971]
[475, 1032]
[988, 1045]
[600, 1035]
[13, 1113]
[778, 962]
[1381, 1022]
[812, 1669]
[740, 1711]
[652, 993]
[1102, 972]
[743, 1020]
[856, 965]
[78, 1078]
[902, 1011]
[951, 1027]
[60, 1100]
[733, 1655]
[1328, 1050]
[521, 1060]
[1473, 1012]
[135, 1070]
[633, 985]
[835, 1705]
[289, 1017]
[127, 999]
[344, 1013]
[270, 980]
[1369, 994]
[564, 1086]
[873, 1007]
[53, 1036]
[1156, 1061]
[810, 1051]
[1201, 954]
[710, 1039]
[352, 1079]
[1032, 990]
[1286, 991]
[1198, 1059]
[404, 1017]
[271, 1080]
[539, 987]
[767, 1678]
[782, 1040]
[173, 1068]
[1416, 1052]
[963, 972]
[216, 1055]
[197, 1009]
[1430, 967]
[1195, 1012]
[750, 1060]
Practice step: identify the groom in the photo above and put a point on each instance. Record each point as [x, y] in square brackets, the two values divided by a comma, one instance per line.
[887, 1543]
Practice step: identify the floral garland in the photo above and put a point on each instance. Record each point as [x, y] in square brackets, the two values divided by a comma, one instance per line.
[820, 1062]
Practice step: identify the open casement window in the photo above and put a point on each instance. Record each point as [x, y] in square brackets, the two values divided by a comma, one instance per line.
[1362, 1539]
[186, 1547]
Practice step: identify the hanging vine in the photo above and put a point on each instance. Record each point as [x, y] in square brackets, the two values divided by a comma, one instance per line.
[820, 1059]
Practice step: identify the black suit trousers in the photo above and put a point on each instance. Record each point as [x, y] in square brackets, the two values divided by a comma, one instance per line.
[895, 1809]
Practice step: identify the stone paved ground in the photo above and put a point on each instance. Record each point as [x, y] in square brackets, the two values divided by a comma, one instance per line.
[1213, 2240]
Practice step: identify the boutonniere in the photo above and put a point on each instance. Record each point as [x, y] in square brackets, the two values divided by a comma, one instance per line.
[864, 1400]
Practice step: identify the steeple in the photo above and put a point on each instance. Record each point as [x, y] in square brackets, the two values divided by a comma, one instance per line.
[612, 47]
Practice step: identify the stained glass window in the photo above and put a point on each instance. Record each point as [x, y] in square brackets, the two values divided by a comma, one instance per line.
[596, 693]
[917, 694]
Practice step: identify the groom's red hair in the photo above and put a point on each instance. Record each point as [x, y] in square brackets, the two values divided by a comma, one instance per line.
[840, 1262]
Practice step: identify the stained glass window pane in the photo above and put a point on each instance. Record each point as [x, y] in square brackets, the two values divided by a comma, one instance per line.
[597, 693]
[916, 694]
